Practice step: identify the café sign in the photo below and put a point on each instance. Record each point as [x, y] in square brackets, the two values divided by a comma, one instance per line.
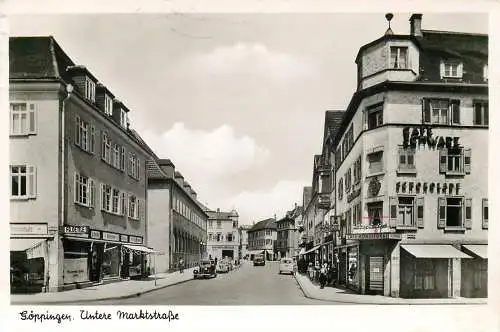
[365, 229]
[423, 135]
[373, 236]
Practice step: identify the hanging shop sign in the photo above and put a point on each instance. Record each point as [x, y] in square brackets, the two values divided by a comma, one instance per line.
[78, 231]
[135, 239]
[373, 236]
[410, 187]
[353, 195]
[423, 135]
[110, 236]
[28, 229]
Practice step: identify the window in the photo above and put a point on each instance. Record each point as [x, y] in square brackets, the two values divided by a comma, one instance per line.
[341, 188]
[106, 148]
[122, 158]
[375, 211]
[451, 212]
[406, 161]
[455, 161]
[399, 58]
[441, 111]
[485, 72]
[22, 118]
[375, 116]
[425, 274]
[481, 113]
[108, 105]
[84, 190]
[348, 180]
[133, 207]
[406, 212]
[23, 181]
[235, 224]
[357, 170]
[219, 224]
[210, 236]
[210, 224]
[485, 213]
[134, 166]
[376, 164]
[84, 135]
[115, 201]
[219, 237]
[116, 156]
[123, 118]
[89, 89]
[356, 215]
[229, 237]
[350, 138]
[106, 197]
[451, 69]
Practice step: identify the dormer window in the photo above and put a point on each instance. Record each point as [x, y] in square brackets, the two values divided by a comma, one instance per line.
[399, 57]
[108, 105]
[89, 89]
[123, 118]
[451, 69]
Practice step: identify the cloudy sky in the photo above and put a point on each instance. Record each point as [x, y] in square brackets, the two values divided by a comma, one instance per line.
[237, 102]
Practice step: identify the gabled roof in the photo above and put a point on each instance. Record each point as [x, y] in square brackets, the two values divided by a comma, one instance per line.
[219, 215]
[264, 224]
[332, 126]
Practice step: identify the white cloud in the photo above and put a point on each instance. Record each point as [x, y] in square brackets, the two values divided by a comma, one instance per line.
[250, 60]
[259, 205]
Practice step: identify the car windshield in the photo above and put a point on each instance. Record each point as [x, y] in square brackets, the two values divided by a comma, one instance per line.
[205, 263]
[286, 261]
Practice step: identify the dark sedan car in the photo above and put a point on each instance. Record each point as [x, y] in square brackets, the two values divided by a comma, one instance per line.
[206, 269]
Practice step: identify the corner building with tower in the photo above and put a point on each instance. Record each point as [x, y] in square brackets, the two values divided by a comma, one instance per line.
[411, 165]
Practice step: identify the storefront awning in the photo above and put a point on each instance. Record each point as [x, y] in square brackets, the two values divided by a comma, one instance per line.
[480, 250]
[312, 249]
[141, 249]
[433, 251]
[24, 244]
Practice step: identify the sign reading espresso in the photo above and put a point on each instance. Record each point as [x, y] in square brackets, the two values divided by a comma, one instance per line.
[423, 135]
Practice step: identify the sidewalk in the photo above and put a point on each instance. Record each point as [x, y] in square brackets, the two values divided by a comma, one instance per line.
[332, 294]
[115, 290]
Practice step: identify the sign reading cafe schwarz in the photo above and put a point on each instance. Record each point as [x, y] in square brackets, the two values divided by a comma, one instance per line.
[423, 135]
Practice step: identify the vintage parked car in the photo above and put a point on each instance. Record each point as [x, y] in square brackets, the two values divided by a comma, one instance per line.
[287, 265]
[258, 260]
[222, 267]
[206, 269]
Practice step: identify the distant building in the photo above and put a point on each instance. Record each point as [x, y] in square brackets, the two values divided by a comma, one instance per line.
[286, 233]
[223, 235]
[243, 230]
[262, 237]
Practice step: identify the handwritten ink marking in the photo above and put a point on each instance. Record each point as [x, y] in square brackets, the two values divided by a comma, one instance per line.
[86, 315]
[37, 317]
[144, 314]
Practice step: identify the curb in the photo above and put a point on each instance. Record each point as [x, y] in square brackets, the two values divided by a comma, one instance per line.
[308, 295]
[122, 297]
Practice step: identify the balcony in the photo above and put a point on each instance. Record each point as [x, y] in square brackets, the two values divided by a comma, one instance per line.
[323, 201]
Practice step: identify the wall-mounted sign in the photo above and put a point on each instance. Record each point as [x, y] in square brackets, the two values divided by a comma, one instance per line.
[75, 270]
[28, 229]
[416, 136]
[364, 229]
[373, 236]
[411, 187]
[374, 186]
[135, 239]
[124, 238]
[353, 195]
[78, 231]
[95, 234]
[110, 236]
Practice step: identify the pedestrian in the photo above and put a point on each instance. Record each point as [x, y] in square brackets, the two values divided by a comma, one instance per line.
[181, 265]
[322, 276]
[334, 274]
[329, 274]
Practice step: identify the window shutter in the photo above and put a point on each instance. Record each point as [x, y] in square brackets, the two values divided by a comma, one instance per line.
[441, 69]
[455, 111]
[468, 213]
[137, 210]
[91, 193]
[138, 163]
[467, 160]
[426, 110]
[102, 196]
[420, 212]
[92, 139]
[123, 208]
[441, 212]
[393, 211]
[77, 130]
[460, 70]
[485, 213]
[75, 188]
[32, 118]
[31, 181]
[103, 145]
[443, 160]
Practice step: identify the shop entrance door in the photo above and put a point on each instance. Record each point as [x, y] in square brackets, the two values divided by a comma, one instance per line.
[375, 274]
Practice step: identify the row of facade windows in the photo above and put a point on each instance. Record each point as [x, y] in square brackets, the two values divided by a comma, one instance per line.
[219, 237]
[219, 224]
[408, 211]
[184, 210]
[259, 243]
[260, 233]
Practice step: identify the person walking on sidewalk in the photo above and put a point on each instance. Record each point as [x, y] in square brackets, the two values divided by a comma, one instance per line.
[322, 276]
[181, 265]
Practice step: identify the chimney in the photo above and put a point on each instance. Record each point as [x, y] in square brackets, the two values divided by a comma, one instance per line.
[416, 25]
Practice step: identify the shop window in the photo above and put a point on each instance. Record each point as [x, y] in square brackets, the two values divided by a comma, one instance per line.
[375, 212]
[481, 113]
[22, 118]
[375, 117]
[425, 274]
[111, 260]
[84, 190]
[399, 57]
[485, 213]
[376, 163]
[441, 111]
[455, 161]
[406, 160]
[480, 277]
[22, 182]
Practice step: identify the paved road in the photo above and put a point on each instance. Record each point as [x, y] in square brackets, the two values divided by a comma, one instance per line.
[248, 285]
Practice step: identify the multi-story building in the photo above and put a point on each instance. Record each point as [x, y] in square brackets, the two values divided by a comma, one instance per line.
[78, 183]
[177, 222]
[261, 238]
[411, 166]
[243, 231]
[223, 235]
[305, 239]
[287, 233]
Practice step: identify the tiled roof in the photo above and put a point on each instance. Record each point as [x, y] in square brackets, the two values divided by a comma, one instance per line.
[219, 215]
[332, 125]
[264, 224]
